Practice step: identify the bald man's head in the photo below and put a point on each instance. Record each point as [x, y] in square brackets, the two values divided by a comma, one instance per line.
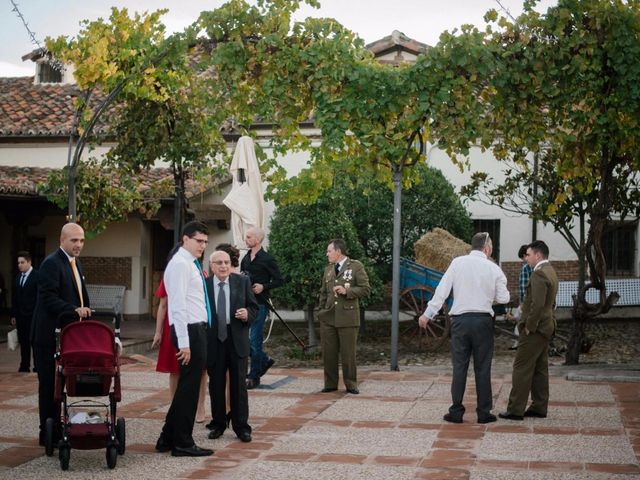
[72, 239]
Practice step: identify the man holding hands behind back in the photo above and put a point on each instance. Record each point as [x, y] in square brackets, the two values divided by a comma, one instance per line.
[344, 283]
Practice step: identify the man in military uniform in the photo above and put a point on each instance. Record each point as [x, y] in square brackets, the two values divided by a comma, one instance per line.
[344, 283]
[537, 326]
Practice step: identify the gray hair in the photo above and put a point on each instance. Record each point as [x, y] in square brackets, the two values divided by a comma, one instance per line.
[480, 240]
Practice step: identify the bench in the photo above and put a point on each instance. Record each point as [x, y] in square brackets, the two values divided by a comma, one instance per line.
[107, 300]
[627, 288]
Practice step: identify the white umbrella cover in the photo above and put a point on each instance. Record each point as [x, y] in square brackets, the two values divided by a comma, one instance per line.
[246, 199]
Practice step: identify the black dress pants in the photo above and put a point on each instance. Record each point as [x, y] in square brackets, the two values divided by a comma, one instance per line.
[226, 359]
[23, 324]
[178, 426]
[46, 367]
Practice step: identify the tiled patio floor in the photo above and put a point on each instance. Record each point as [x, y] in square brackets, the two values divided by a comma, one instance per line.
[392, 430]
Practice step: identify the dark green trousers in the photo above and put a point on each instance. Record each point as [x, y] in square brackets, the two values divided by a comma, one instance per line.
[339, 342]
[530, 375]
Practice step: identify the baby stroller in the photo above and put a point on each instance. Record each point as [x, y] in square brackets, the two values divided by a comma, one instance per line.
[87, 364]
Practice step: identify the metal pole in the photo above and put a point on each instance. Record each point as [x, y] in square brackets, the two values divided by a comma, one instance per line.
[395, 283]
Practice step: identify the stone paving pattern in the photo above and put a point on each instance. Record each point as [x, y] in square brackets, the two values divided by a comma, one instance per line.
[392, 430]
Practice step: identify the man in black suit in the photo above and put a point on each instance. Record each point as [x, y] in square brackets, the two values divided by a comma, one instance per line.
[23, 302]
[234, 308]
[62, 294]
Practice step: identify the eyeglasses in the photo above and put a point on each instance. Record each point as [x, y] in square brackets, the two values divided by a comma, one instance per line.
[220, 262]
[201, 241]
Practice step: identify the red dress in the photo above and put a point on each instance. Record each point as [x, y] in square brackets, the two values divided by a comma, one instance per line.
[167, 361]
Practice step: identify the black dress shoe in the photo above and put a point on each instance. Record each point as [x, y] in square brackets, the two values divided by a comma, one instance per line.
[210, 425]
[353, 391]
[193, 451]
[451, 419]
[215, 433]
[327, 390]
[488, 419]
[245, 437]
[267, 366]
[252, 383]
[163, 446]
[531, 413]
[510, 416]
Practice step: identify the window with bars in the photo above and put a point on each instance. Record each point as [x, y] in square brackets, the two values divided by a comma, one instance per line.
[619, 245]
[493, 228]
[48, 74]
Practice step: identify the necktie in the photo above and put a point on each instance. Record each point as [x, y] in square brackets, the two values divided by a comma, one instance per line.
[23, 279]
[337, 268]
[76, 275]
[204, 286]
[221, 309]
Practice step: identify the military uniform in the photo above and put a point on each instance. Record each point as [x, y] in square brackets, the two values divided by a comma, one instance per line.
[531, 365]
[339, 317]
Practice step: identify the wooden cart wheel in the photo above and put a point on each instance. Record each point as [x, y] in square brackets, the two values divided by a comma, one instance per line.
[413, 302]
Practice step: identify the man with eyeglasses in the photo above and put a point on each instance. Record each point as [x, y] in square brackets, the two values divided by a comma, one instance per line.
[234, 309]
[189, 315]
[477, 283]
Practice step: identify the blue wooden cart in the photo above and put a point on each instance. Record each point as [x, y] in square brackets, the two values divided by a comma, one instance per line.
[417, 286]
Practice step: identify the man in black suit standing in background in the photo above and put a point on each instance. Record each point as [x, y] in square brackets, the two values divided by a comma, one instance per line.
[62, 294]
[228, 345]
[23, 301]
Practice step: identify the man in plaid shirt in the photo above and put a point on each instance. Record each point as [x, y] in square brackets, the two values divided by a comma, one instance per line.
[523, 281]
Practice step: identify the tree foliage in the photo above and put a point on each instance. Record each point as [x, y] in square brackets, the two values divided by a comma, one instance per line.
[298, 239]
[565, 85]
[429, 202]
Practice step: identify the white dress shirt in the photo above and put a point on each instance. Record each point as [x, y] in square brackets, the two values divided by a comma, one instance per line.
[25, 275]
[185, 294]
[227, 295]
[477, 283]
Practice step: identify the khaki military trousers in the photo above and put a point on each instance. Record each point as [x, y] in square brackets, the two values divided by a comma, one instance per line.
[339, 342]
[530, 375]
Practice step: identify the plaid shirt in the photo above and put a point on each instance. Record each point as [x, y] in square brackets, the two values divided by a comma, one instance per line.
[523, 281]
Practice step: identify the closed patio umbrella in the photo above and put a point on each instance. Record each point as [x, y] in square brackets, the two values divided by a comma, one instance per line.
[246, 199]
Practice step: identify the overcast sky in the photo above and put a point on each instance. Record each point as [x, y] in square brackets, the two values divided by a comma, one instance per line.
[422, 20]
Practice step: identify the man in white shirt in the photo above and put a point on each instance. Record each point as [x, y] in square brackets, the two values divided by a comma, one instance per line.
[189, 315]
[477, 283]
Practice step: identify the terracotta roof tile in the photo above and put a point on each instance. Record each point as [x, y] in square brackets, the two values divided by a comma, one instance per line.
[24, 181]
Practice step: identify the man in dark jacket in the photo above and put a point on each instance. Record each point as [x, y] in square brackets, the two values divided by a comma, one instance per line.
[233, 308]
[62, 294]
[23, 302]
[264, 274]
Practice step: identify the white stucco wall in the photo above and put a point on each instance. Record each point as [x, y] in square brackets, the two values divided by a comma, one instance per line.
[127, 239]
[515, 230]
[43, 155]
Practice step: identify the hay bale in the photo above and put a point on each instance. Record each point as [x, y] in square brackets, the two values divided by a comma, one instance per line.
[437, 248]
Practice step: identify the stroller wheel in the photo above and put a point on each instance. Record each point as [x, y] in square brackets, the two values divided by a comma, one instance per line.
[121, 435]
[112, 456]
[64, 454]
[48, 437]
